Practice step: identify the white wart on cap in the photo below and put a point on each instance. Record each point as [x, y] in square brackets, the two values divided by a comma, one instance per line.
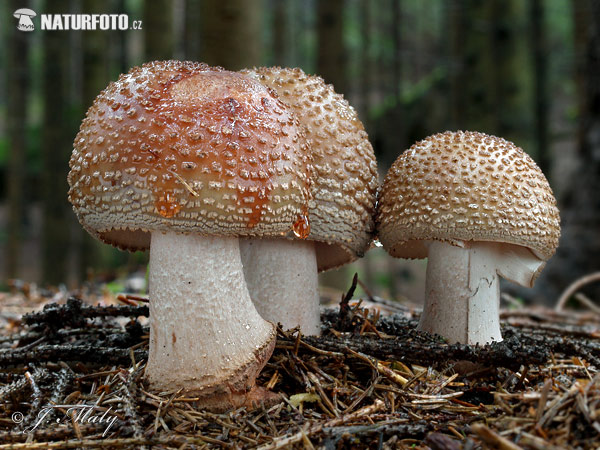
[343, 196]
[475, 205]
[184, 159]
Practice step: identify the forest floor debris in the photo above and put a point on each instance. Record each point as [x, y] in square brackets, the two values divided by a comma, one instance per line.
[71, 376]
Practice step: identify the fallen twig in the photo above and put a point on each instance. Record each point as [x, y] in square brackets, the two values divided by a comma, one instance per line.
[286, 441]
[574, 287]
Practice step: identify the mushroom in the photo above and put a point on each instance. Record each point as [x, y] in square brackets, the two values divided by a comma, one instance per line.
[282, 274]
[24, 15]
[476, 206]
[184, 159]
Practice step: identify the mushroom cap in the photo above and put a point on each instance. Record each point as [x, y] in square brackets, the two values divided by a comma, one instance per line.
[344, 186]
[466, 186]
[24, 12]
[183, 147]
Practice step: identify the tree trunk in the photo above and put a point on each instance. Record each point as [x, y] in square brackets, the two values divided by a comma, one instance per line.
[56, 149]
[331, 55]
[397, 62]
[96, 73]
[158, 29]
[540, 84]
[121, 41]
[504, 67]
[281, 33]
[303, 32]
[192, 30]
[479, 85]
[96, 76]
[456, 24]
[231, 33]
[487, 68]
[366, 66]
[17, 82]
[579, 247]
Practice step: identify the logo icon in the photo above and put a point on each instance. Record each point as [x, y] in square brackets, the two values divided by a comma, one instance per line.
[24, 15]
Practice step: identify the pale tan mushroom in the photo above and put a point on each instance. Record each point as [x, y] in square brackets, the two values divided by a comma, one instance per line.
[183, 159]
[282, 274]
[476, 206]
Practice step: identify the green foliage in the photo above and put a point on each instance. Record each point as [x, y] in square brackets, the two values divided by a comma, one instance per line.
[516, 303]
[559, 25]
[114, 287]
[384, 280]
[3, 151]
[411, 94]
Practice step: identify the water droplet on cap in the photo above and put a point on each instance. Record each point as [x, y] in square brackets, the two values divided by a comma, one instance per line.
[167, 205]
[301, 227]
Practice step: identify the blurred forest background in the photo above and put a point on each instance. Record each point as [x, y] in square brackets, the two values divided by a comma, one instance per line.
[526, 70]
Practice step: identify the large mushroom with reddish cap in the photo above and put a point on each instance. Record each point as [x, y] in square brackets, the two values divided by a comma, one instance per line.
[476, 206]
[184, 159]
[282, 273]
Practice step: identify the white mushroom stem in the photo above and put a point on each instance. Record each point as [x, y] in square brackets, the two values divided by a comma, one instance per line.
[282, 278]
[205, 334]
[462, 295]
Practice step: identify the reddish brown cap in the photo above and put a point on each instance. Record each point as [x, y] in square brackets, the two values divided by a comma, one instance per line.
[180, 146]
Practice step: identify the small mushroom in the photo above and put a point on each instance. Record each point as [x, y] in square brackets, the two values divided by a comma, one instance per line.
[184, 159]
[282, 275]
[24, 15]
[476, 206]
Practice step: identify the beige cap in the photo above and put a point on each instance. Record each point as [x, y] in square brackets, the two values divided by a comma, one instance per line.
[466, 186]
[183, 147]
[345, 170]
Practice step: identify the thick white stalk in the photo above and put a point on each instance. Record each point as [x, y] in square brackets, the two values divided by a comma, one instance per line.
[205, 334]
[282, 278]
[461, 295]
